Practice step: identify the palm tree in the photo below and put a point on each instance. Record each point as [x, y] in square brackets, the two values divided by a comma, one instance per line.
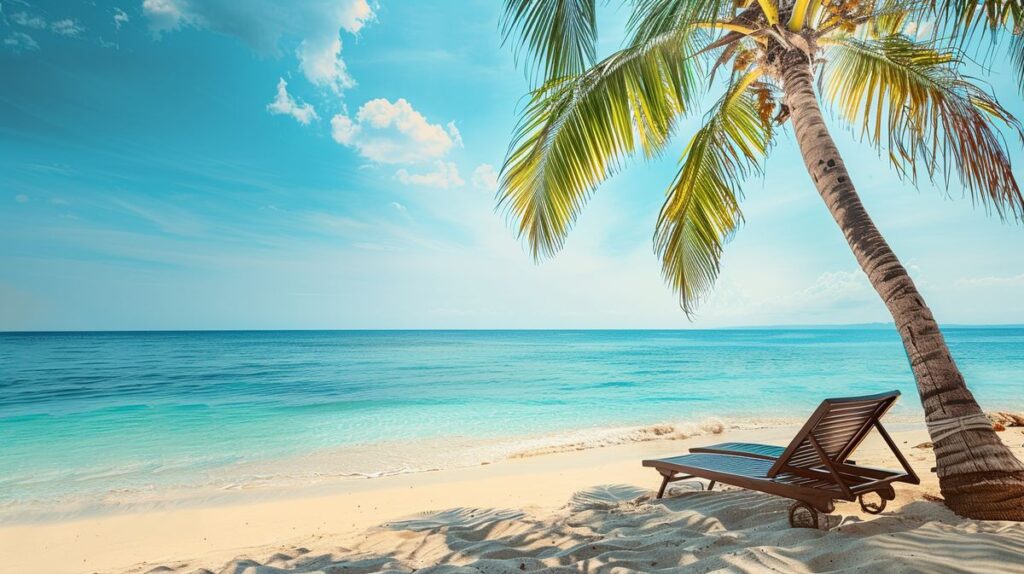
[907, 97]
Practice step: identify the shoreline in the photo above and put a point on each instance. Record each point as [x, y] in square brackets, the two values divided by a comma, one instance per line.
[328, 470]
[344, 512]
[219, 530]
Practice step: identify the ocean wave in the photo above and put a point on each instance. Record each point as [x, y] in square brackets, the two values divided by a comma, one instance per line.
[600, 438]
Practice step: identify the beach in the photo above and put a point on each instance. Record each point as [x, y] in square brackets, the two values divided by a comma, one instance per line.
[585, 510]
[490, 287]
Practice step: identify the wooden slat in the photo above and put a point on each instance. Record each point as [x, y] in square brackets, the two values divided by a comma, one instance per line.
[826, 428]
[765, 451]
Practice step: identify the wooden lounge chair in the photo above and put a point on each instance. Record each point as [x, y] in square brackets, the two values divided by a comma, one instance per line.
[814, 470]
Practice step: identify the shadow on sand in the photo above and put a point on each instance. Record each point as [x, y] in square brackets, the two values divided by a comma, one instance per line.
[619, 528]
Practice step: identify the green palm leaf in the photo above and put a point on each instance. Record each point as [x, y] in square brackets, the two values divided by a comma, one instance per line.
[890, 17]
[702, 209]
[910, 99]
[575, 131]
[653, 18]
[559, 35]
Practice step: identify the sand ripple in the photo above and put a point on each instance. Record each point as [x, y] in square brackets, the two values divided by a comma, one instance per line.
[619, 528]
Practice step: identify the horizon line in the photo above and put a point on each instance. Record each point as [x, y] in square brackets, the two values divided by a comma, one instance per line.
[795, 326]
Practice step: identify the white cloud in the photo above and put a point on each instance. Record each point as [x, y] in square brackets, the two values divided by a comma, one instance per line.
[286, 105]
[320, 60]
[387, 132]
[120, 18]
[21, 198]
[445, 175]
[315, 24]
[343, 129]
[320, 52]
[67, 27]
[28, 21]
[165, 14]
[401, 208]
[355, 15]
[20, 42]
[485, 178]
[64, 27]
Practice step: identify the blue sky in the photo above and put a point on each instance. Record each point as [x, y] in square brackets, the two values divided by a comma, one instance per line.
[174, 164]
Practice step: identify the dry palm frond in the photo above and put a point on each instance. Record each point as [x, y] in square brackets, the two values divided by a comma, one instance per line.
[909, 98]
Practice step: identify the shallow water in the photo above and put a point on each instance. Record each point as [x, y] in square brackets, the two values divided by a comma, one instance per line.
[89, 419]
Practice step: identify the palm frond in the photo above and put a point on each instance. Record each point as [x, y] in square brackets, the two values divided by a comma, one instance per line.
[1017, 57]
[890, 17]
[911, 100]
[558, 37]
[575, 131]
[802, 9]
[965, 16]
[1000, 21]
[702, 208]
[654, 18]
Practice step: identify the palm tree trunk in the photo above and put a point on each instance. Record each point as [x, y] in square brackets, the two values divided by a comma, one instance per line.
[978, 476]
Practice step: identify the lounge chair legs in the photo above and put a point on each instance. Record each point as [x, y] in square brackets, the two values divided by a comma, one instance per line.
[803, 515]
[668, 477]
[664, 483]
[871, 507]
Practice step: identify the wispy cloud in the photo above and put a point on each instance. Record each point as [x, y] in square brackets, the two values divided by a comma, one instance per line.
[20, 42]
[27, 20]
[485, 178]
[337, 223]
[120, 18]
[263, 24]
[843, 296]
[444, 175]
[285, 104]
[165, 217]
[992, 281]
[67, 27]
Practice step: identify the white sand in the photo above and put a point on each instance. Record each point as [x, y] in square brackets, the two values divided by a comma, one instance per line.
[514, 516]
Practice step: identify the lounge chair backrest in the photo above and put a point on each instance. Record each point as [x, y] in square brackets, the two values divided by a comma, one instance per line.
[838, 426]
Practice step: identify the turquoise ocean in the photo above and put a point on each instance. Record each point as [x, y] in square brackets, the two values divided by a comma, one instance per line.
[109, 420]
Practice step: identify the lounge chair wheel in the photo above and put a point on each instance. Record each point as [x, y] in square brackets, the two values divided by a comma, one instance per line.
[871, 507]
[803, 515]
